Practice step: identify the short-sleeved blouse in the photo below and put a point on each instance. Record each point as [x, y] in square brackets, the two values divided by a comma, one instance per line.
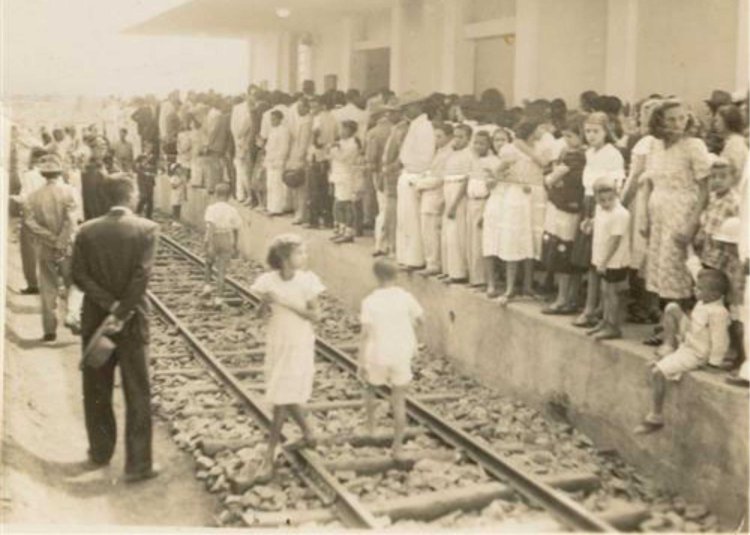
[679, 167]
[604, 162]
[735, 151]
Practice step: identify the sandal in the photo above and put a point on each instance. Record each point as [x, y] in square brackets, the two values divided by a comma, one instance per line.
[586, 320]
[558, 310]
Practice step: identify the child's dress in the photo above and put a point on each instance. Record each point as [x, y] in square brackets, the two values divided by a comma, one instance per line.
[513, 221]
[344, 159]
[563, 214]
[290, 339]
[477, 193]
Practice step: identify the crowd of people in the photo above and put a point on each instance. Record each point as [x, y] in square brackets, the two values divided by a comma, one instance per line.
[611, 213]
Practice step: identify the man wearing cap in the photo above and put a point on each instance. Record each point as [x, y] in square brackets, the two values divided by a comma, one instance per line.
[416, 156]
[50, 215]
[112, 261]
[30, 181]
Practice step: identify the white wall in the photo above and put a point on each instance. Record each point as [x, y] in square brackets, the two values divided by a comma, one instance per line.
[686, 47]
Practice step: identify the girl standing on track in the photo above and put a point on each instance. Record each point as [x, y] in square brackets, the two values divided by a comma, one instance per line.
[291, 292]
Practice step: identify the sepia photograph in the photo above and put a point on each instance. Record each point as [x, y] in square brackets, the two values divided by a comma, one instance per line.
[407, 266]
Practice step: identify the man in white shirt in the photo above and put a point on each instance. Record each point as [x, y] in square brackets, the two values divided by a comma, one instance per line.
[241, 125]
[31, 181]
[416, 156]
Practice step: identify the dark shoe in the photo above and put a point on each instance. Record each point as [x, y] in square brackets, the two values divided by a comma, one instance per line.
[737, 381]
[49, 337]
[142, 476]
[376, 254]
[74, 327]
[29, 291]
[345, 239]
[91, 464]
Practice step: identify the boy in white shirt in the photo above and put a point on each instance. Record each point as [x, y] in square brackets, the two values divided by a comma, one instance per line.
[389, 342]
[610, 256]
[691, 341]
[222, 233]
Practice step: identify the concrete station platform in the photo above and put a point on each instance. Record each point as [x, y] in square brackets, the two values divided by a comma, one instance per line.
[603, 386]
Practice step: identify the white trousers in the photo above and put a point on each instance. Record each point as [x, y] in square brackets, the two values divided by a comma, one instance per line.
[243, 181]
[409, 251]
[276, 191]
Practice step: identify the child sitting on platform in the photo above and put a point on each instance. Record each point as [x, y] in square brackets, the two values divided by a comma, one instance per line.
[690, 341]
[389, 317]
[291, 292]
[222, 233]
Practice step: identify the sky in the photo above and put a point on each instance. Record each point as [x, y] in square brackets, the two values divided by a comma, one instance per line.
[75, 47]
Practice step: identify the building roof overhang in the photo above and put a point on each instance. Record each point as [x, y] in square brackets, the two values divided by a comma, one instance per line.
[242, 18]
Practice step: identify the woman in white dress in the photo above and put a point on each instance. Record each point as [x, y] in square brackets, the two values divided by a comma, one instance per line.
[518, 224]
[291, 293]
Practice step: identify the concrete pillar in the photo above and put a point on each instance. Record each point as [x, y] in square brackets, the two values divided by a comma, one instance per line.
[526, 66]
[741, 72]
[622, 48]
[286, 60]
[457, 52]
[346, 51]
[397, 39]
[265, 59]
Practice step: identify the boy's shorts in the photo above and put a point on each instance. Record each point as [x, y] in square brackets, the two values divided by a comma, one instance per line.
[390, 374]
[221, 246]
[683, 360]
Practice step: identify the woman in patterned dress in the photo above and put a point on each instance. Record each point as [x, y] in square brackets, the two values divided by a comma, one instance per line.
[677, 169]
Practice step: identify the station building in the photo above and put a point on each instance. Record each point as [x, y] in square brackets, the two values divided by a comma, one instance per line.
[526, 48]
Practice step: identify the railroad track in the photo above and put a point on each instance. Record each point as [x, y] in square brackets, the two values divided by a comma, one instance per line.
[340, 480]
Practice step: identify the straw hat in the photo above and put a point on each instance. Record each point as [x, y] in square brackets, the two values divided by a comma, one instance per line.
[51, 163]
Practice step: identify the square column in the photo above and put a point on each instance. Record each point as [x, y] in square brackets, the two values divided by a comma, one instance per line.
[622, 48]
[741, 70]
[526, 66]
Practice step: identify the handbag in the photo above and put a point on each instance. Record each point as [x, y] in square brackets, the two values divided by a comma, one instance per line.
[293, 178]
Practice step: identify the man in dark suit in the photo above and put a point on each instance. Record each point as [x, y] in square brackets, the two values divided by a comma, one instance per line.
[95, 201]
[112, 260]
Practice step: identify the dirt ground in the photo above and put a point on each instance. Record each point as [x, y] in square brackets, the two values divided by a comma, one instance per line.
[44, 441]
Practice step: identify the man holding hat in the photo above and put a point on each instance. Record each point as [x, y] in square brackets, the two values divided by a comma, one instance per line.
[50, 215]
[416, 156]
[112, 262]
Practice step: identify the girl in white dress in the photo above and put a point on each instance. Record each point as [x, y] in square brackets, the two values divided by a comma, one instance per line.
[483, 171]
[492, 217]
[291, 293]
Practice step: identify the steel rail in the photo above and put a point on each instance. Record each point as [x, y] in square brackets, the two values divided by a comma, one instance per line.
[307, 463]
[563, 508]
